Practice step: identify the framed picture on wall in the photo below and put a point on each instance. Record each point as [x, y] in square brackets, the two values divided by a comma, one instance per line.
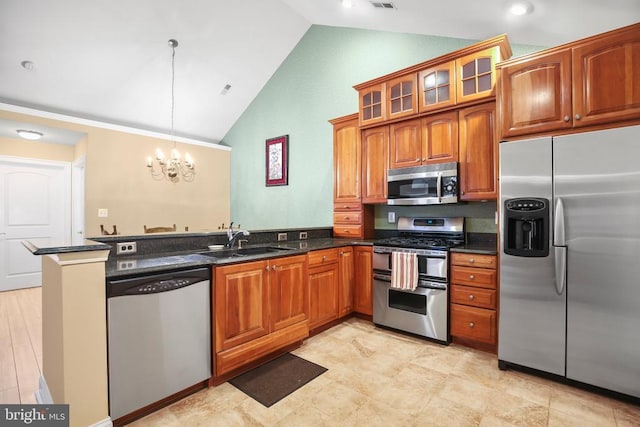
[277, 161]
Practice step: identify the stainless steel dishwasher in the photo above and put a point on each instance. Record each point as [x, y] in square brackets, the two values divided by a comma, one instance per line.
[159, 337]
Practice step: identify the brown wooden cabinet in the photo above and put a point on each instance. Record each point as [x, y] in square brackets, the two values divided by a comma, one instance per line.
[346, 280]
[346, 159]
[259, 307]
[363, 292]
[593, 81]
[324, 277]
[476, 75]
[478, 152]
[372, 103]
[535, 95]
[401, 96]
[375, 162]
[474, 299]
[437, 87]
[350, 218]
[432, 139]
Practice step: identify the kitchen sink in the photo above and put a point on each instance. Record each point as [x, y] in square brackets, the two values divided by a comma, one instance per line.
[244, 252]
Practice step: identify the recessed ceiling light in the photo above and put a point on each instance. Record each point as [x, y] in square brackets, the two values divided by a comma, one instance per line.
[520, 8]
[29, 134]
[347, 3]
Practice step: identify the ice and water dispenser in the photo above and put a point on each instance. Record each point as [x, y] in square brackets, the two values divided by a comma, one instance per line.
[526, 227]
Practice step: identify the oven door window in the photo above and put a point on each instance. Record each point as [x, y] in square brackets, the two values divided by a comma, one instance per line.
[413, 188]
[405, 301]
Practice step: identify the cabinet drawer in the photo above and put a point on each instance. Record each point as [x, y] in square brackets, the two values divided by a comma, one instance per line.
[347, 207]
[477, 297]
[354, 217]
[481, 277]
[347, 231]
[322, 257]
[473, 260]
[475, 323]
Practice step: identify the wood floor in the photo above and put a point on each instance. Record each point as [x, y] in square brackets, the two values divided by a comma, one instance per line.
[20, 345]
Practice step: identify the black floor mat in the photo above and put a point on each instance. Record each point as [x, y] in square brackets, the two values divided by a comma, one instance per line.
[276, 379]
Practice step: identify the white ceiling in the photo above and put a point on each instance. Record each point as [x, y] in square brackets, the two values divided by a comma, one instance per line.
[109, 59]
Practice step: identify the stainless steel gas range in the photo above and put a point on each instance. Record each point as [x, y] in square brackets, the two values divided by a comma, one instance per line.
[423, 310]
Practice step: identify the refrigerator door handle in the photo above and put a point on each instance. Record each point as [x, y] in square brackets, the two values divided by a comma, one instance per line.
[560, 253]
[560, 248]
[558, 224]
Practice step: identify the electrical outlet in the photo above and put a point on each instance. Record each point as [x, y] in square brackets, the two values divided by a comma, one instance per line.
[391, 217]
[127, 248]
[303, 235]
[127, 265]
[103, 213]
[282, 236]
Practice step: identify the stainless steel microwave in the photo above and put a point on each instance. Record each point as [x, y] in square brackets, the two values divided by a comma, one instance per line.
[423, 185]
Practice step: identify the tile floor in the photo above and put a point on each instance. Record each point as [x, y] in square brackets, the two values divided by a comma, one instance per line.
[382, 378]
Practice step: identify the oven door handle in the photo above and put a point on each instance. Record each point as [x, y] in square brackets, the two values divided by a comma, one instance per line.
[382, 277]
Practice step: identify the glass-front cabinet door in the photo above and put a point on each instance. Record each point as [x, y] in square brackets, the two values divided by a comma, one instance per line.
[477, 74]
[401, 98]
[437, 87]
[372, 104]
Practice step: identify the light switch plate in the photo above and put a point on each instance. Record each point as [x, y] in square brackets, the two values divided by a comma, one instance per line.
[391, 217]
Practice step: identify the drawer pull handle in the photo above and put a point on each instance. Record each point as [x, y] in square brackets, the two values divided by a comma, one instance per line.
[471, 277]
[472, 297]
[471, 324]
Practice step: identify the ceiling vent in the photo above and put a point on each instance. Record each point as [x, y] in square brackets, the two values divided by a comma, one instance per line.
[382, 5]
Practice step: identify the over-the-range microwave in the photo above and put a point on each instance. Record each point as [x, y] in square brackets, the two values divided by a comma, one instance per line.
[423, 185]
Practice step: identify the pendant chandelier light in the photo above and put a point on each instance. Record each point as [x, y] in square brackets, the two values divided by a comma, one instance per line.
[173, 167]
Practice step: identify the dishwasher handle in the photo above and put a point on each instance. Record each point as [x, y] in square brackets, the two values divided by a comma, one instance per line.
[158, 283]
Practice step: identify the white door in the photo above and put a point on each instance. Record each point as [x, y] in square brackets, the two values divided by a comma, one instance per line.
[35, 204]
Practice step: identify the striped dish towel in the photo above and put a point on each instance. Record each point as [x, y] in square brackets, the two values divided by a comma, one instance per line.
[404, 270]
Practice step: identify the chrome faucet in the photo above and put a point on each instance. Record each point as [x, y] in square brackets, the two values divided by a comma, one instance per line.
[233, 238]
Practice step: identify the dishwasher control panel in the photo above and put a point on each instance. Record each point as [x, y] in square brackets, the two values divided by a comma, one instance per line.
[152, 284]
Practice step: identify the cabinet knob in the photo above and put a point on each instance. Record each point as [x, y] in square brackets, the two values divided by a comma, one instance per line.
[578, 117]
[472, 297]
[424, 159]
[471, 277]
[273, 267]
[472, 260]
[566, 118]
[346, 217]
[341, 253]
[267, 268]
[471, 324]
[346, 207]
[324, 257]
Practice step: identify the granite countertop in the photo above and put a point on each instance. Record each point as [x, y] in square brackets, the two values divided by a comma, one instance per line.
[52, 246]
[476, 248]
[127, 266]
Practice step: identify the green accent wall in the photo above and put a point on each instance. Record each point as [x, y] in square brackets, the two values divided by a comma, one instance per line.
[314, 84]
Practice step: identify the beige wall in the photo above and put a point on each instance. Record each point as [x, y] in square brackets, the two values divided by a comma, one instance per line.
[17, 147]
[117, 179]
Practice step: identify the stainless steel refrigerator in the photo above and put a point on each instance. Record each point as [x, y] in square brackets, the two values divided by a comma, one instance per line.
[570, 257]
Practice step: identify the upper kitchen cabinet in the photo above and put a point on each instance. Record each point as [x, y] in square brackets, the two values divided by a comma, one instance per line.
[465, 76]
[432, 139]
[476, 75]
[535, 95]
[437, 87]
[606, 77]
[375, 162]
[593, 81]
[346, 159]
[478, 153]
[401, 96]
[372, 104]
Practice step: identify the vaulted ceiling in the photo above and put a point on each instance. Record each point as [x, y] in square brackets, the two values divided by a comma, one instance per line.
[109, 60]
